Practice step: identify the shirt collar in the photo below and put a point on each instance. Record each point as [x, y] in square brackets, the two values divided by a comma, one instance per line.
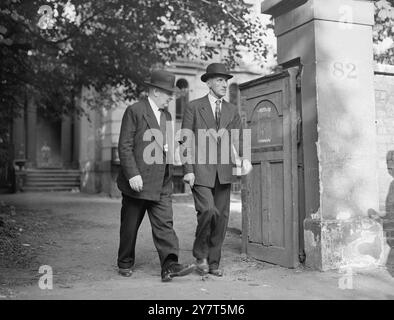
[213, 99]
[153, 104]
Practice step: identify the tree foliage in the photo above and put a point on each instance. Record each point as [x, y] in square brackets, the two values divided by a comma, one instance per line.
[51, 55]
[103, 43]
[384, 31]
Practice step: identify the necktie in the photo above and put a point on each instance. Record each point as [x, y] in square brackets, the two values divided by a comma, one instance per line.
[217, 114]
[163, 126]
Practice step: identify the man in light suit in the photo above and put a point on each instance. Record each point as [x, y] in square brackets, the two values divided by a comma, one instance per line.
[211, 182]
[147, 186]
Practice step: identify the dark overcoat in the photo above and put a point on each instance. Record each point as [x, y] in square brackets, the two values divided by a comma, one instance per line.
[137, 120]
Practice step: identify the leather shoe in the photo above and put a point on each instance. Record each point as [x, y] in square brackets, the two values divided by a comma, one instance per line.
[202, 266]
[176, 270]
[216, 272]
[125, 272]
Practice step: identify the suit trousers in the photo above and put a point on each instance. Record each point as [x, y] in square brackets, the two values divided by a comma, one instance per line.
[161, 220]
[213, 208]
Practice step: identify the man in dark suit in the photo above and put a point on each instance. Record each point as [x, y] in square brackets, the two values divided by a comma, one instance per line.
[211, 181]
[147, 186]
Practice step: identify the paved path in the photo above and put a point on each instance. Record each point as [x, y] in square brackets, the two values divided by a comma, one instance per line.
[78, 238]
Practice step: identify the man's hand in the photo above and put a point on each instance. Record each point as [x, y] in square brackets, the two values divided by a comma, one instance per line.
[246, 167]
[136, 183]
[189, 178]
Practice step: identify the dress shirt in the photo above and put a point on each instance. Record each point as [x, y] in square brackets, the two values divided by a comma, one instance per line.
[212, 101]
[155, 109]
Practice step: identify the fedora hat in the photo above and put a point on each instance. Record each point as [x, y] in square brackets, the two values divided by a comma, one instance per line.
[215, 69]
[162, 79]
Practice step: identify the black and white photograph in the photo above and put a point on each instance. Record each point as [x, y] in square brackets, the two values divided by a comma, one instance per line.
[194, 156]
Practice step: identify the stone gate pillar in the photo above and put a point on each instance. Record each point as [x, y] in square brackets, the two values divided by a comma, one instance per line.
[66, 141]
[332, 40]
[31, 136]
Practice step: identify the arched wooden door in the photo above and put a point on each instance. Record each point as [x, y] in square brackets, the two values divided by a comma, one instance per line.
[270, 204]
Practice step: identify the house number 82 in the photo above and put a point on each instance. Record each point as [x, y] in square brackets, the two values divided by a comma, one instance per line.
[344, 70]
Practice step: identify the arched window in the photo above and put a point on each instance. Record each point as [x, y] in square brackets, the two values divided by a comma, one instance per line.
[182, 99]
[234, 94]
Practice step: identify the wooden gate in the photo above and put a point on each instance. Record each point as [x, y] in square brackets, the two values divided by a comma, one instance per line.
[270, 195]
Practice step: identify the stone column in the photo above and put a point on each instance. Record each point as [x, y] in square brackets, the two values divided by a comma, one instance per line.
[66, 142]
[333, 42]
[89, 146]
[31, 137]
[76, 136]
[19, 151]
[19, 137]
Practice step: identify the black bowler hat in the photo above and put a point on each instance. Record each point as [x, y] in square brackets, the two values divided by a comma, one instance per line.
[162, 79]
[214, 70]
